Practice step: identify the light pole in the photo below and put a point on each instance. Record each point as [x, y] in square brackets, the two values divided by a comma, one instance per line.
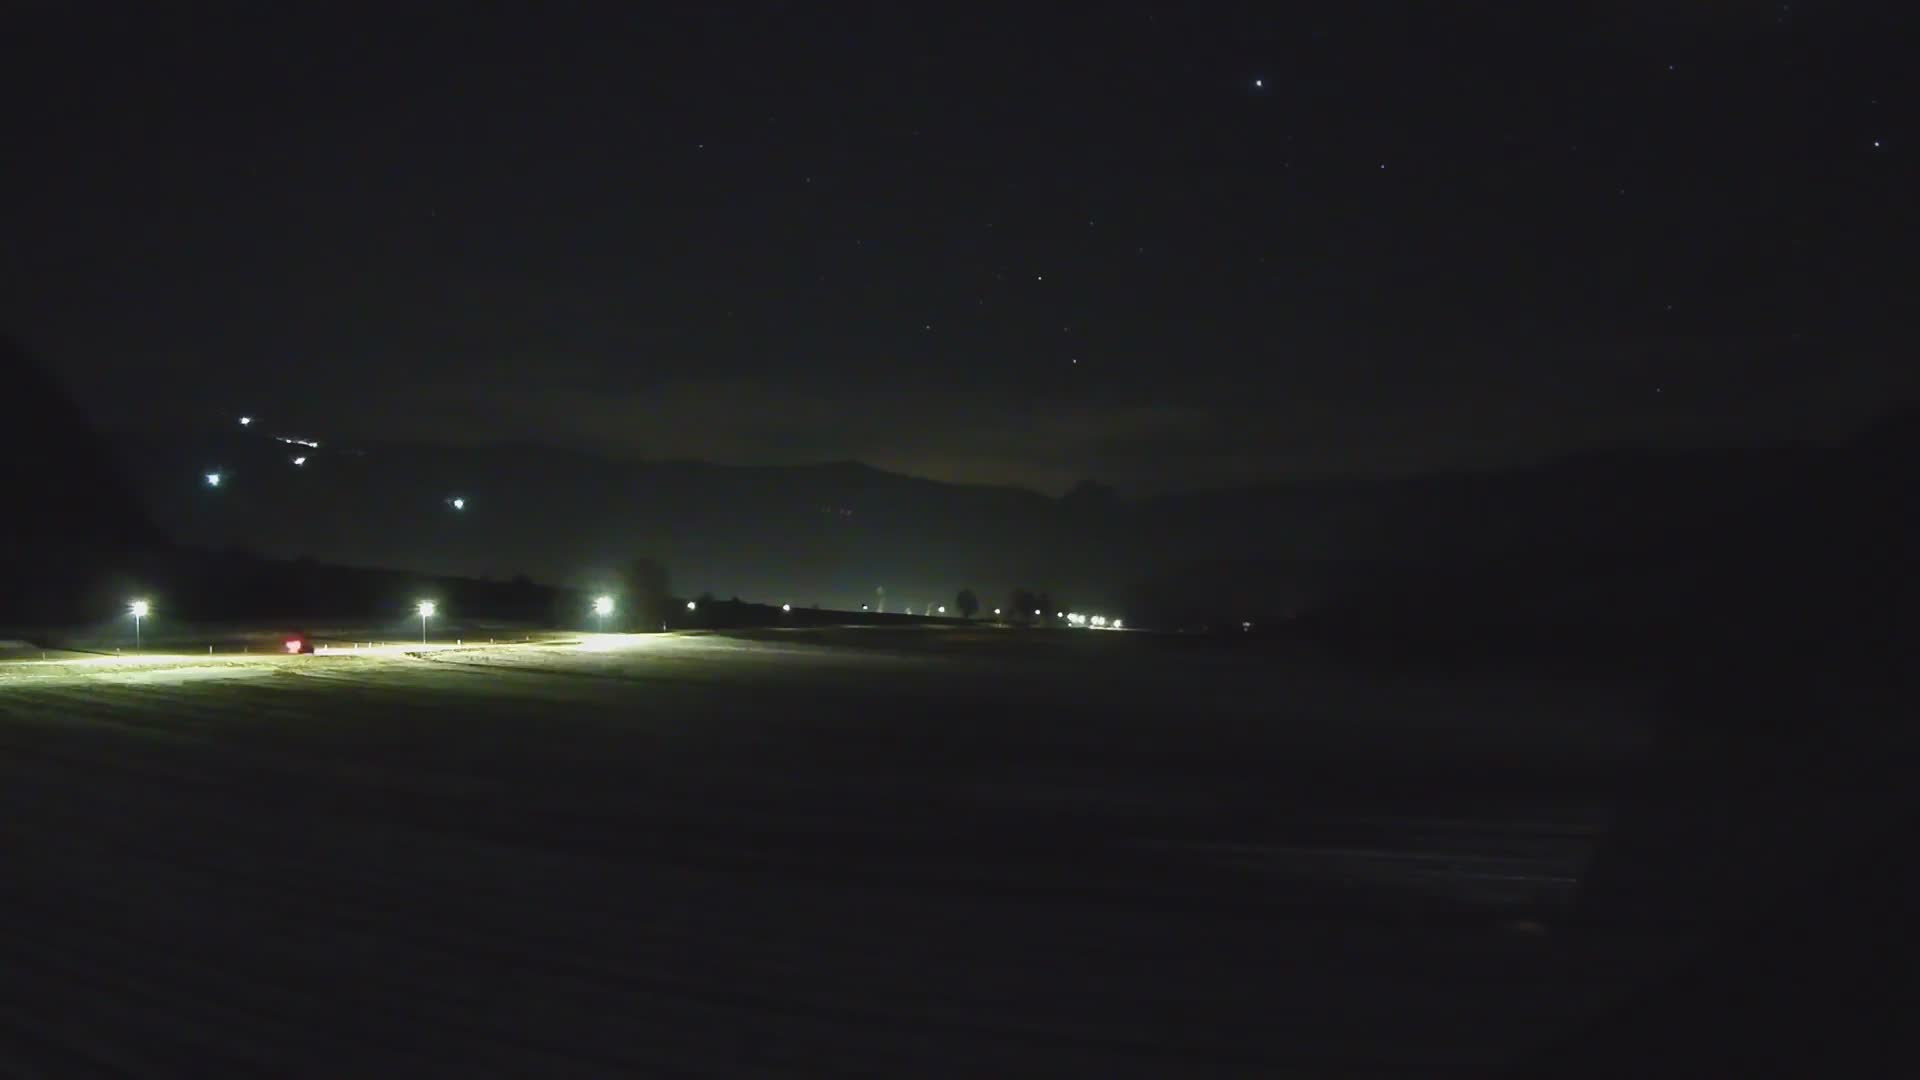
[426, 612]
[602, 607]
[138, 609]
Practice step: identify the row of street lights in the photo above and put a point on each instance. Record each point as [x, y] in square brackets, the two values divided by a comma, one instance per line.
[426, 609]
[603, 606]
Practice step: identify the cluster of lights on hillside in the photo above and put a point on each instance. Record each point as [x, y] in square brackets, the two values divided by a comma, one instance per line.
[218, 478]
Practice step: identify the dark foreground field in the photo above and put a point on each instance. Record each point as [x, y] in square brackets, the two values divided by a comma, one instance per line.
[951, 852]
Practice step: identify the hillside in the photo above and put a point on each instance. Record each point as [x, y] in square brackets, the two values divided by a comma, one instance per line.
[71, 520]
[831, 533]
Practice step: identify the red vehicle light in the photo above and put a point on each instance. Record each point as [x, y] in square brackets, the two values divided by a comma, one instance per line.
[293, 645]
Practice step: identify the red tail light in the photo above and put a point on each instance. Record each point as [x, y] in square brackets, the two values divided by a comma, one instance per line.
[293, 645]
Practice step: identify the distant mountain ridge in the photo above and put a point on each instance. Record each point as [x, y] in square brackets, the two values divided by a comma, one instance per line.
[828, 532]
[833, 532]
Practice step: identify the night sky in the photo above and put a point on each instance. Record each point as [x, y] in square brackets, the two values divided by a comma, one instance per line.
[1167, 246]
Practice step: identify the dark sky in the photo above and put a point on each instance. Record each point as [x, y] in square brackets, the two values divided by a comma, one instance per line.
[1166, 245]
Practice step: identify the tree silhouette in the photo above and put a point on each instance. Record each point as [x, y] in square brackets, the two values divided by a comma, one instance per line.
[1021, 604]
[647, 594]
[968, 603]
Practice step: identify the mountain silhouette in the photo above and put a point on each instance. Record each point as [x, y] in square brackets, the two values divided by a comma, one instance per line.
[1607, 535]
[73, 525]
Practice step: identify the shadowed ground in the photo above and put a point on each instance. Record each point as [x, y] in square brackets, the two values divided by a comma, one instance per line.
[947, 852]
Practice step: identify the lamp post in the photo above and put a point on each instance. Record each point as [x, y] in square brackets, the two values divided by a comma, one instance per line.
[138, 609]
[602, 607]
[426, 612]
